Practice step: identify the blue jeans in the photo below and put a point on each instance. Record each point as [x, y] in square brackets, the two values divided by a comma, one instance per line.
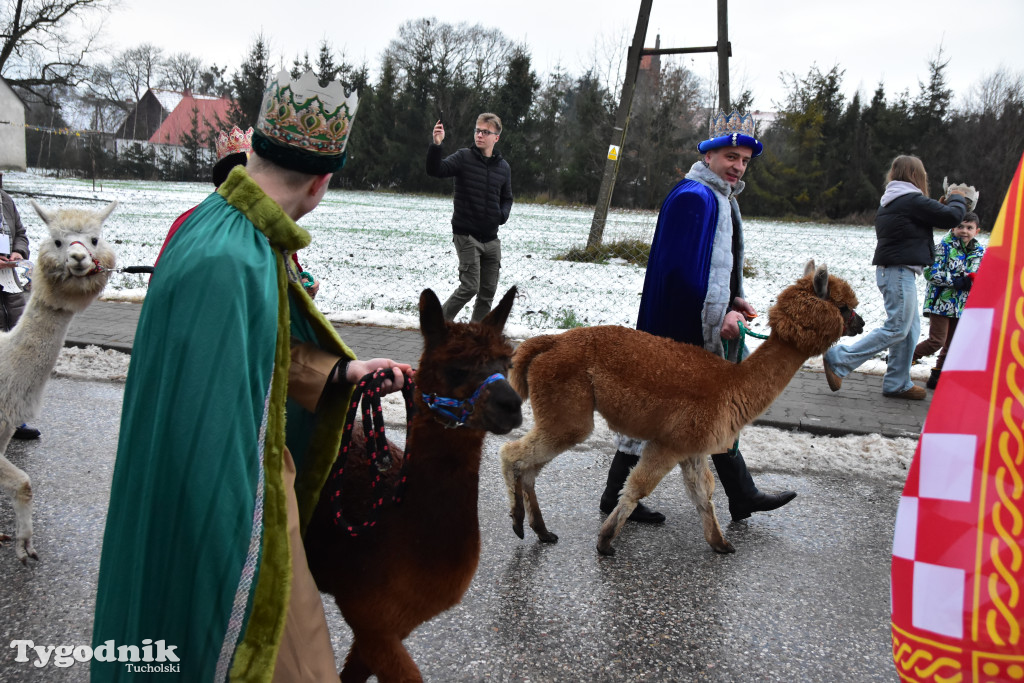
[899, 333]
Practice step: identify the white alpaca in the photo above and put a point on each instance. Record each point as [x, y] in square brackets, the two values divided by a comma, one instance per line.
[71, 269]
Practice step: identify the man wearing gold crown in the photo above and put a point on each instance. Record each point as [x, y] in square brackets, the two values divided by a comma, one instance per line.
[203, 563]
[693, 292]
[233, 149]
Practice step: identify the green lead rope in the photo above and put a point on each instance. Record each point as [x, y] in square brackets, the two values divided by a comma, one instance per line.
[744, 331]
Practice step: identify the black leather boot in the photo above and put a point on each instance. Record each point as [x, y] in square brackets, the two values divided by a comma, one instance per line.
[744, 497]
[26, 433]
[622, 463]
[933, 379]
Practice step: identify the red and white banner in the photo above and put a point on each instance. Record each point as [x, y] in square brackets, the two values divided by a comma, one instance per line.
[958, 551]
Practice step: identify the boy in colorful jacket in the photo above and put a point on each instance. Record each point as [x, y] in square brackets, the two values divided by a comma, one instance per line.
[950, 276]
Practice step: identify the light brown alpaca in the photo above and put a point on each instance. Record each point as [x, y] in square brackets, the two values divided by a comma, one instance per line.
[684, 401]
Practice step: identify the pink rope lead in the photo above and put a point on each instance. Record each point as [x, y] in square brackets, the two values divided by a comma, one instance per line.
[369, 389]
[96, 266]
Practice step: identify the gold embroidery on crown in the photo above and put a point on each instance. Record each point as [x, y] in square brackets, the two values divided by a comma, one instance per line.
[301, 113]
[234, 142]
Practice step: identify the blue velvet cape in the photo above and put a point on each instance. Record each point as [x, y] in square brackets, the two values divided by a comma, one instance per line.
[678, 268]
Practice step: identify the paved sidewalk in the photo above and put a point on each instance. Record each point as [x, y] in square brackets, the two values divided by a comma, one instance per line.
[806, 404]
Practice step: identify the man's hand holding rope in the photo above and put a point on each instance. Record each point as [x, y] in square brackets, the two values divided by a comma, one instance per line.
[355, 370]
[740, 312]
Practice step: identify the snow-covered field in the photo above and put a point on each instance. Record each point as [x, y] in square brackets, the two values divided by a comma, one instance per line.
[374, 252]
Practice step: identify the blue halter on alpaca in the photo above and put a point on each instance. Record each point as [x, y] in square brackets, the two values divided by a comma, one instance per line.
[440, 405]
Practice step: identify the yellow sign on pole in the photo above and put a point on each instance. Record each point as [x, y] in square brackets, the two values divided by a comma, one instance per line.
[613, 152]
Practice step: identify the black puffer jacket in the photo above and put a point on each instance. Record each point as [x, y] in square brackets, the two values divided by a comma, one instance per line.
[483, 189]
[904, 228]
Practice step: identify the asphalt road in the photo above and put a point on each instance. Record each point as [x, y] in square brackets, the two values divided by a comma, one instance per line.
[804, 598]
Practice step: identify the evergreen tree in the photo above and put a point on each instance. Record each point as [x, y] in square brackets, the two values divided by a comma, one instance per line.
[195, 157]
[513, 102]
[248, 83]
[138, 162]
[548, 136]
[300, 67]
[929, 119]
[588, 119]
[374, 157]
[212, 81]
[326, 69]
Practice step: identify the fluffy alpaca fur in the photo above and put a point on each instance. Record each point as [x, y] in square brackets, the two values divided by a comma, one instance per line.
[420, 556]
[71, 269]
[684, 401]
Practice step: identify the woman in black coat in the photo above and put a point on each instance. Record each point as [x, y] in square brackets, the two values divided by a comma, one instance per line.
[903, 227]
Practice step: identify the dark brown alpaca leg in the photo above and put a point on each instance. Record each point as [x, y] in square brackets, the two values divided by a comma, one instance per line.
[518, 510]
[529, 481]
[700, 484]
[354, 669]
[387, 658]
[520, 462]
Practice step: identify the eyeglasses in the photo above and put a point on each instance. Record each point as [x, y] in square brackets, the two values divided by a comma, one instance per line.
[483, 131]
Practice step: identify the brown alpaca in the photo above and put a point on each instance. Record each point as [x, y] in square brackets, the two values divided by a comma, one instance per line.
[420, 556]
[684, 401]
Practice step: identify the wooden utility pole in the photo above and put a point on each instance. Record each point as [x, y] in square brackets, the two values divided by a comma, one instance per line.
[636, 53]
[724, 52]
[611, 164]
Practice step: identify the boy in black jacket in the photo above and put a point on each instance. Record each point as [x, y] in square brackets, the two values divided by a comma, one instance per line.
[483, 201]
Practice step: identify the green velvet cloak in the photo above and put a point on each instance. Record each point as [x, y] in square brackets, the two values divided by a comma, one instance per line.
[195, 551]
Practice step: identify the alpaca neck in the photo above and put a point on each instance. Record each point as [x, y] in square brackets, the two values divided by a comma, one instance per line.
[443, 474]
[41, 332]
[763, 376]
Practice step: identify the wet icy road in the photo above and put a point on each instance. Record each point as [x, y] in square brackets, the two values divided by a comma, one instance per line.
[805, 597]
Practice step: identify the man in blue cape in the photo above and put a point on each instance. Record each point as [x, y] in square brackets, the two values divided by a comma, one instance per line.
[693, 293]
[203, 566]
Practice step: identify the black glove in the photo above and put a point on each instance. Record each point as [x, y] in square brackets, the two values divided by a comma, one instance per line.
[963, 283]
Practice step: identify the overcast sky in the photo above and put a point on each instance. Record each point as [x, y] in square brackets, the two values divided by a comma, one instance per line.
[872, 40]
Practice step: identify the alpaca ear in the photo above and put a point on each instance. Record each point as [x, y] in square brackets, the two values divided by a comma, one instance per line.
[809, 268]
[432, 323]
[47, 216]
[821, 282]
[105, 212]
[497, 317]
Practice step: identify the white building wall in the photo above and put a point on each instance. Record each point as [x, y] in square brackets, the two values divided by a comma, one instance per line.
[12, 130]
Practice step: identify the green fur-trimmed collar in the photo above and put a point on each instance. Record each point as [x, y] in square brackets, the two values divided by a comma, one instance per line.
[242, 192]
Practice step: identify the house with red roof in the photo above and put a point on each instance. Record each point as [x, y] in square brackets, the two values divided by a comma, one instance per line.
[163, 119]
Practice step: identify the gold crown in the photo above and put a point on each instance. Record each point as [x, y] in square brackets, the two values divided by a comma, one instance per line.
[233, 142]
[734, 122]
[306, 116]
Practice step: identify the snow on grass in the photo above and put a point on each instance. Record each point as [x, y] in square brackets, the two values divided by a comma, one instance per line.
[374, 252]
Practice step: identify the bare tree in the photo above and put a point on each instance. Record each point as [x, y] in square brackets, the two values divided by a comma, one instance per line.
[38, 49]
[181, 71]
[608, 57]
[992, 92]
[138, 68]
[457, 54]
[121, 83]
